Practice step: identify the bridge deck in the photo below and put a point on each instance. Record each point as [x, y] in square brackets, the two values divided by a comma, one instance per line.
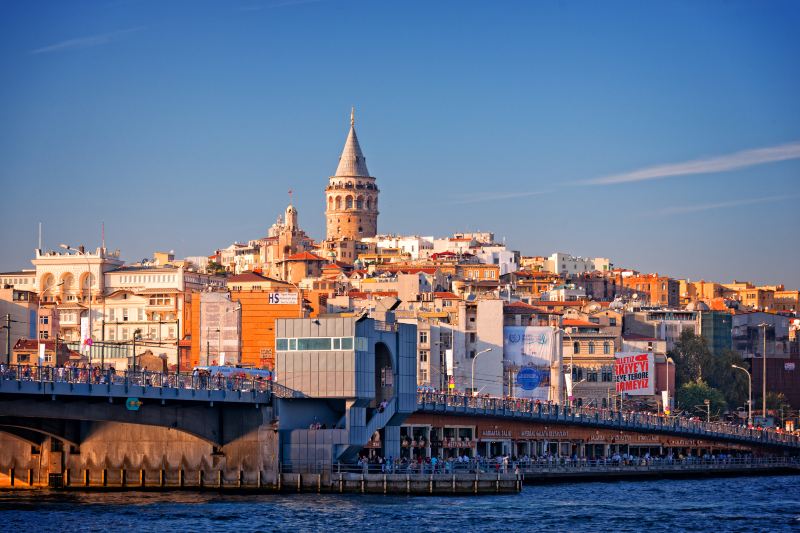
[525, 410]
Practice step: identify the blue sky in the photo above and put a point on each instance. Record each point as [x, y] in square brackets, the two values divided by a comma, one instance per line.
[662, 135]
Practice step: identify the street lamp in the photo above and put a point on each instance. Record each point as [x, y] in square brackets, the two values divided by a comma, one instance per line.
[749, 394]
[571, 361]
[472, 375]
[668, 408]
[763, 327]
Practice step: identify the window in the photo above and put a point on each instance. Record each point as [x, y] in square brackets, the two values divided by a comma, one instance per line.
[44, 320]
[472, 354]
[576, 347]
[112, 335]
[423, 337]
[124, 314]
[607, 374]
[423, 356]
[141, 314]
[423, 374]
[472, 337]
[43, 334]
[612, 321]
[591, 375]
[160, 299]
[315, 344]
[124, 334]
[606, 348]
[321, 343]
[24, 358]
[591, 348]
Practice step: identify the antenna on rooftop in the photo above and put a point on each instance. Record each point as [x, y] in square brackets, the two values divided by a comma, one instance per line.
[40, 235]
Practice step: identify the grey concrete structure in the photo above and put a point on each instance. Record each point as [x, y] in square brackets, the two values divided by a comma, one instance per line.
[357, 376]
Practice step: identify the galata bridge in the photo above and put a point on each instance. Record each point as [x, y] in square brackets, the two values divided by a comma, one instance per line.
[325, 422]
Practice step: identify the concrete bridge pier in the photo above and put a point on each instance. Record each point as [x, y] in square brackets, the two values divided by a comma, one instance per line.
[117, 454]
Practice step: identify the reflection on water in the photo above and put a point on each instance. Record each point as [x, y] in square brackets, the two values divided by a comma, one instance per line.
[728, 504]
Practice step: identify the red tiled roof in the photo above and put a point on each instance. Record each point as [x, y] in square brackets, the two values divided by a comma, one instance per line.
[304, 256]
[579, 323]
[446, 296]
[560, 304]
[32, 344]
[370, 295]
[522, 307]
[247, 276]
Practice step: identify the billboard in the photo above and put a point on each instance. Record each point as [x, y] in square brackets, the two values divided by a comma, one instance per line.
[283, 298]
[528, 355]
[634, 373]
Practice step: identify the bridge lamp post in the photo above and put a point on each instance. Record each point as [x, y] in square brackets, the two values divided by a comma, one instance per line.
[668, 408]
[571, 360]
[749, 394]
[764, 327]
[472, 375]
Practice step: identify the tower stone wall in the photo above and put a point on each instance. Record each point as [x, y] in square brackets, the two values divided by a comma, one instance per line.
[351, 198]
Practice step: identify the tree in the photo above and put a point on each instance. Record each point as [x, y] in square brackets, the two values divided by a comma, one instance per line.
[692, 357]
[691, 395]
[215, 268]
[694, 361]
[731, 382]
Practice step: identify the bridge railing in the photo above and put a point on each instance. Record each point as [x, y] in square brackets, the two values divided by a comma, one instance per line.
[530, 409]
[144, 378]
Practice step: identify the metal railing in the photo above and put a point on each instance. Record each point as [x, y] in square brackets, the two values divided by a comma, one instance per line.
[144, 378]
[550, 464]
[635, 421]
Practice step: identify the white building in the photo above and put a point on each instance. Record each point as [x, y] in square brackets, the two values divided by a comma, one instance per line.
[564, 293]
[498, 254]
[118, 303]
[561, 263]
[413, 245]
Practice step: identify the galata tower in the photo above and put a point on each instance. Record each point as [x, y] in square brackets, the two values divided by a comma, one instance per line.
[351, 196]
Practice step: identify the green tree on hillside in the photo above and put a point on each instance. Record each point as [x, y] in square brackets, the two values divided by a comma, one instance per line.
[695, 362]
[691, 397]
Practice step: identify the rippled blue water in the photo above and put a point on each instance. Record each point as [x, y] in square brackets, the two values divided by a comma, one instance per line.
[727, 504]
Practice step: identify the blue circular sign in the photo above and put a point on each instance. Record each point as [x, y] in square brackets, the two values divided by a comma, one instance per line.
[528, 378]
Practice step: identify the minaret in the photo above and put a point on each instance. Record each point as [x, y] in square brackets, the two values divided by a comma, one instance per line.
[351, 196]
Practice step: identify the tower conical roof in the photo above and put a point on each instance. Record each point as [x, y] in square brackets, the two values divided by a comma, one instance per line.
[352, 161]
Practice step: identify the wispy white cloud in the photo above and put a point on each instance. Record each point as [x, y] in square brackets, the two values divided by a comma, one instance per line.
[478, 197]
[734, 161]
[85, 42]
[685, 209]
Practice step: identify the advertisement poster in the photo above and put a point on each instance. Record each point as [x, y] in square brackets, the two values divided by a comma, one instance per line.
[448, 360]
[528, 354]
[85, 341]
[634, 373]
